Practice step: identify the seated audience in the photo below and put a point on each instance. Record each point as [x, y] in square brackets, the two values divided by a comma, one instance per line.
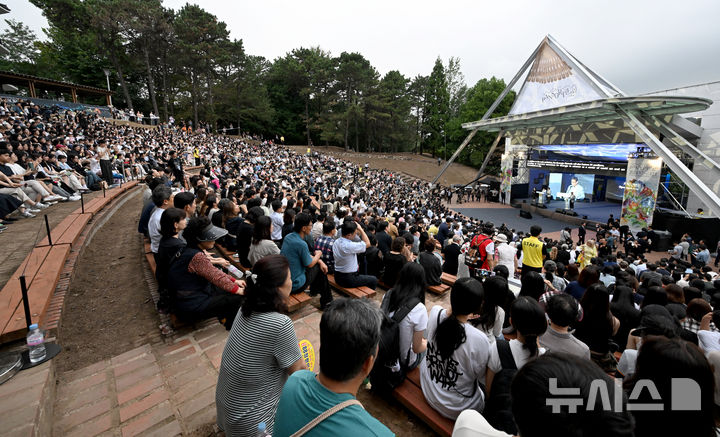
[562, 310]
[197, 288]
[262, 244]
[349, 337]
[457, 353]
[260, 353]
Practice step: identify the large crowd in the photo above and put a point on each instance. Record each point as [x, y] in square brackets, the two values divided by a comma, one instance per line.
[541, 361]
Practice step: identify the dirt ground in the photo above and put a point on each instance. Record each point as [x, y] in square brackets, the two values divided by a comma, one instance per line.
[108, 309]
[420, 166]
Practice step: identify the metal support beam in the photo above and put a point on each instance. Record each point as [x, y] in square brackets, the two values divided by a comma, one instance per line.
[489, 154]
[683, 144]
[706, 195]
[455, 155]
[492, 107]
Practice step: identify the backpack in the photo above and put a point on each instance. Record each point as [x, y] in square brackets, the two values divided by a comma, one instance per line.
[498, 408]
[389, 369]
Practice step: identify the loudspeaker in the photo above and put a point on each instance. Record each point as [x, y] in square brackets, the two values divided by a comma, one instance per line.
[525, 214]
[560, 210]
[571, 212]
[584, 217]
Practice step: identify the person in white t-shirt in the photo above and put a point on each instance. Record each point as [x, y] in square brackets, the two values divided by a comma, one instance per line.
[528, 319]
[457, 355]
[507, 254]
[409, 290]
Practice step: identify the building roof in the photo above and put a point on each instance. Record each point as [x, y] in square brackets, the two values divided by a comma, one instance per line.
[11, 77]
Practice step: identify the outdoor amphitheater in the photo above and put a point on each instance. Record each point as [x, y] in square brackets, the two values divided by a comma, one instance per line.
[202, 241]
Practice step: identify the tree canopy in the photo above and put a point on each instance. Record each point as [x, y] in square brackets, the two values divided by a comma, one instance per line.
[183, 63]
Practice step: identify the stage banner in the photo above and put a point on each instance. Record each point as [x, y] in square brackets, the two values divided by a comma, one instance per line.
[641, 187]
[506, 164]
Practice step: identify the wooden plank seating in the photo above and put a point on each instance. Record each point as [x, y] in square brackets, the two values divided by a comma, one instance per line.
[68, 230]
[42, 268]
[40, 290]
[357, 292]
[411, 396]
[438, 289]
[448, 279]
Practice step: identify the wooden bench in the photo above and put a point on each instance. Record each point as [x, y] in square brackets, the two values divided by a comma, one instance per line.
[357, 292]
[448, 279]
[438, 289]
[411, 396]
[42, 269]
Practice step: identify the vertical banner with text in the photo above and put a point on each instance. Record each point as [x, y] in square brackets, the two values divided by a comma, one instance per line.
[641, 189]
[506, 164]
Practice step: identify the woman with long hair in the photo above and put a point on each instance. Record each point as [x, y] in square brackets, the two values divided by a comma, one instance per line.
[262, 244]
[409, 293]
[261, 352]
[598, 326]
[623, 308]
[529, 321]
[208, 206]
[492, 315]
[457, 355]
[394, 260]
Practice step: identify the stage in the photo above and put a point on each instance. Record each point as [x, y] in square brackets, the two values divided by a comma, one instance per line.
[595, 211]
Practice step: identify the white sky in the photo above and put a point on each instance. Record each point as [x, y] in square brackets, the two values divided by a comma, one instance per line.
[639, 45]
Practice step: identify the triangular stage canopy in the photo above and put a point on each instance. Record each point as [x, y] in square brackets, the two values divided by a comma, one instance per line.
[557, 79]
[562, 101]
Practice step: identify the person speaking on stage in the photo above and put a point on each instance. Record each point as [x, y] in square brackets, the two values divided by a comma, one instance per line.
[574, 192]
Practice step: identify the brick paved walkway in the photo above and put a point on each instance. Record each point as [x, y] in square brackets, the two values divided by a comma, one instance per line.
[153, 390]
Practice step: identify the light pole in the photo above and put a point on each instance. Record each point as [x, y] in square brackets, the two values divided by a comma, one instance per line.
[107, 77]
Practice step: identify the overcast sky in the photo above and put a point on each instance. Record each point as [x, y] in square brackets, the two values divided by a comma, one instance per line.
[639, 45]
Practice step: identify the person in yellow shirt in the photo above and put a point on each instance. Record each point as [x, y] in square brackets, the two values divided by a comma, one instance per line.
[196, 155]
[533, 252]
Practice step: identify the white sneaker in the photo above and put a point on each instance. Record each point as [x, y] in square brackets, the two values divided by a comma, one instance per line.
[52, 198]
[27, 214]
[39, 205]
[35, 211]
[74, 198]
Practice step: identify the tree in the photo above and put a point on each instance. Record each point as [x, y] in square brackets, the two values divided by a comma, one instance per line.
[200, 39]
[355, 76]
[437, 104]
[479, 99]
[20, 40]
[417, 91]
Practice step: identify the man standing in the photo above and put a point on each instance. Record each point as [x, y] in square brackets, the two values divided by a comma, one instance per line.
[161, 197]
[444, 231]
[574, 192]
[352, 242]
[581, 234]
[384, 239]
[452, 251]
[533, 251]
[349, 338]
[277, 222]
[485, 247]
[306, 270]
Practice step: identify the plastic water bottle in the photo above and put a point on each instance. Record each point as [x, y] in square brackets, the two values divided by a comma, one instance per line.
[36, 343]
[262, 430]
